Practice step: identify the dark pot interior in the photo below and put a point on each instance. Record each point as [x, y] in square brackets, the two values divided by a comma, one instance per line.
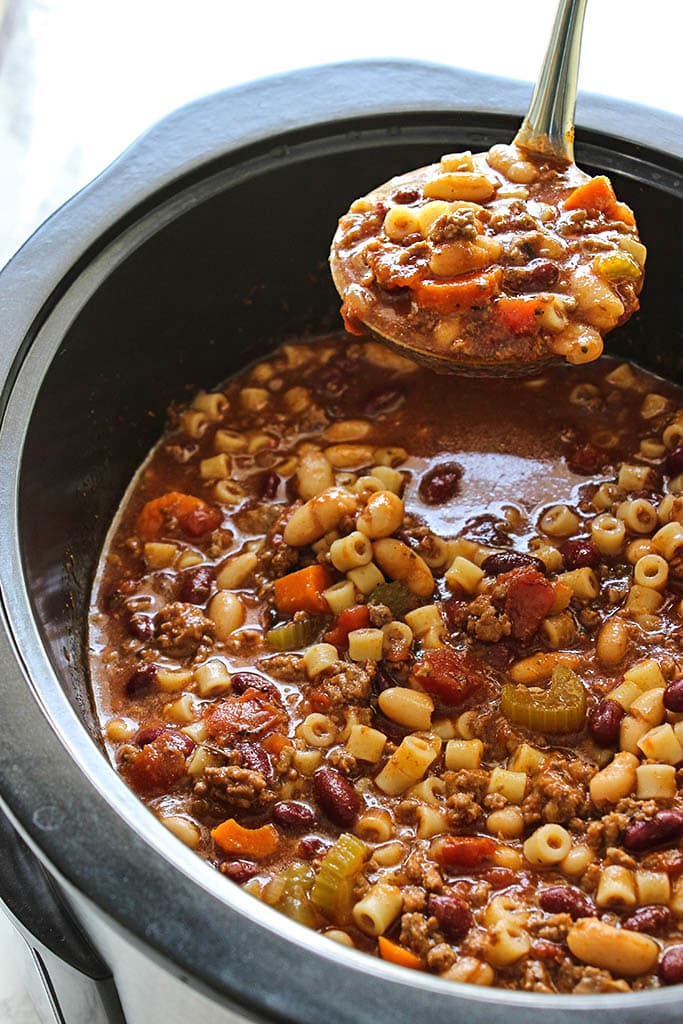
[240, 265]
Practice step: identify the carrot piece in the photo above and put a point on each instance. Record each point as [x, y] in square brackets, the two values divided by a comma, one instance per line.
[302, 591]
[194, 516]
[357, 617]
[463, 292]
[520, 316]
[246, 842]
[597, 195]
[396, 954]
[276, 743]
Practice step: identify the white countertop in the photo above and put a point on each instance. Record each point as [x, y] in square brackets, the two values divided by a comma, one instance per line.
[79, 79]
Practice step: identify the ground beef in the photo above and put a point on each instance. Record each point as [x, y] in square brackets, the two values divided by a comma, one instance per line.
[485, 622]
[463, 810]
[553, 928]
[558, 792]
[414, 899]
[181, 629]
[454, 225]
[580, 978]
[467, 782]
[345, 682]
[232, 784]
[288, 668]
[424, 873]
[533, 976]
[340, 759]
[380, 615]
[440, 957]
[420, 934]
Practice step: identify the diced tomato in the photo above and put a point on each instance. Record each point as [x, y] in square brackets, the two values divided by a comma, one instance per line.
[194, 516]
[520, 316]
[157, 766]
[462, 852]
[357, 617]
[528, 600]
[248, 715]
[448, 675]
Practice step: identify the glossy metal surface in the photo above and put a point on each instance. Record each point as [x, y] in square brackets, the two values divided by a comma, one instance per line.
[548, 128]
[120, 303]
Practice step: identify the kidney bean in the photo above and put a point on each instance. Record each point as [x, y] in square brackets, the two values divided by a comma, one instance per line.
[394, 732]
[648, 919]
[195, 585]
[673, 695]
[499, 878]
[454, 916]
[673, 463]
[312, 846]
[586, 459]
[671, 966]
[538, 275]
[384, 402]
[405, 196]
[546, 950]
[239, 871]
[255, 758]
[184, 743]
[488, 530]
[148, 734]
[605, 721]
[243, 681]
[505, 561]
[269, 484]
[665, 827]
[336, 796]
[141, 626]
[580, 554]
[564, 899]
[293, 814]
[455, 613]
[201, 520]
[141, 681]
[441, 483]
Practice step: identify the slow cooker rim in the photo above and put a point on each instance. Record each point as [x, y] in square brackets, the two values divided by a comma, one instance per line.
[37, 829]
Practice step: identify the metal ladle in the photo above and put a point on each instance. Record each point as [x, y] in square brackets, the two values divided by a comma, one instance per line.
[547, 130]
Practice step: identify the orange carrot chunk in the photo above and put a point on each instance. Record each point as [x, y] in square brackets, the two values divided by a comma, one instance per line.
[256, 843]
[356, 617]
[463, 292]
[396, 954]
[302, 591]
[597, 196]
[520, 316]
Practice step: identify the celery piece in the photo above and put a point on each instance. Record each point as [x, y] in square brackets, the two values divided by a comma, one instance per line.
[294, 635]
[290, 893]
[617, 266]
[334, 881]
[559, 709]
[395, 596]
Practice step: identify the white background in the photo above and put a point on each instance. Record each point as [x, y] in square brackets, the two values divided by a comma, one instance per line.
[79, 79]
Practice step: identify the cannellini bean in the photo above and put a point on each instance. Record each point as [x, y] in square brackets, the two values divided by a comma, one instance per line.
[509, 161]
[314, 474]
[595, 299]
[382, 515]
[460, 185]
[614, 949]
[347, 430]
[350, 456]
[318, 516]
[400, 563]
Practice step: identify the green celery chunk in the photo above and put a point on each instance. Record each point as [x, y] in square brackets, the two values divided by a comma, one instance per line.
[395, 596]
[559, 709]
[292, 636]
[332, 889]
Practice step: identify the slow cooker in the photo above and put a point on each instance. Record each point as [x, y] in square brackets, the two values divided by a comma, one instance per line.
[194, 253]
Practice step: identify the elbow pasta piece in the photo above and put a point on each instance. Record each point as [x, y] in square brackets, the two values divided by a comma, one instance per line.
[430, 822]
[616, 888]
[646, 675]
[633, 477]
[463, 754]
[548, 845]
[465, 574]
[608, 533]
[230, 441]
[668, 540]
[619, 950]
[313, 474]
[351, 552]
[366, 744]
[340, 596]
[584, 584]
[317, 730]
[507, 942]
[559, 521]
[389, 478]
[366, 644]
[656, 782]
[649, 707]
[398, 639]
[213, 404]
[375, 826]
[213, 678]
[661, 744]
[639, 515]
[407, 765]
[422, 620]
[615, 781]
[653, 888]
[526, 759]
[318, 516]
[160, 555]
[512, 785]
[215, 468]
[382, 515]
[366, 578]
[378, 909]
[429, 790]
[631, 731]
[400, 563]
[507, 823]
[319, 657]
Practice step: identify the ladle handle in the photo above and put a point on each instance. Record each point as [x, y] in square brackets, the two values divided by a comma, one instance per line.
[548, 128]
